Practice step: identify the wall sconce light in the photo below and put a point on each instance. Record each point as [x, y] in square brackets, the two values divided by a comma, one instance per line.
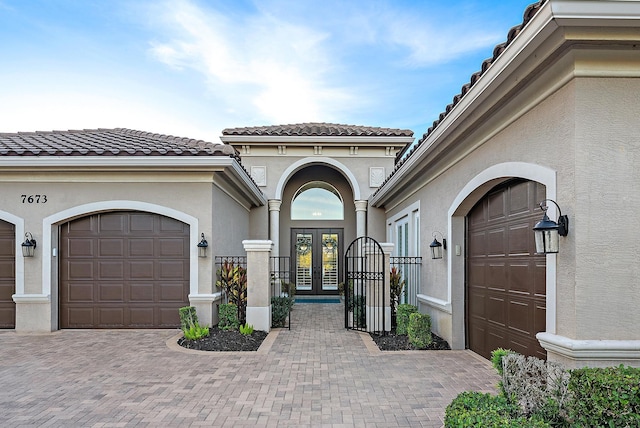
[547, 232]
[29, 245]
[202, 247]
[437, 247]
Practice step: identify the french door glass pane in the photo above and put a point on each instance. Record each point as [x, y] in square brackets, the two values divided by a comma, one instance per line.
[304, 257]
[330, 261]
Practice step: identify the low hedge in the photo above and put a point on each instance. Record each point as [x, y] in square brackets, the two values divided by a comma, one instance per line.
[608, 397]
[475, 409]
[419, 330]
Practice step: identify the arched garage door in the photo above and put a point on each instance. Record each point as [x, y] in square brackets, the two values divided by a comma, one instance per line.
[506, 280]
[123, 270]
[7, 275]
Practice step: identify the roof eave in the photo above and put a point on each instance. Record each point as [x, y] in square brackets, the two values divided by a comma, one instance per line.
[309, 139]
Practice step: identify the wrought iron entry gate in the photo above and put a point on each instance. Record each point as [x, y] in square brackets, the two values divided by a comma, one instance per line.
[365, 306]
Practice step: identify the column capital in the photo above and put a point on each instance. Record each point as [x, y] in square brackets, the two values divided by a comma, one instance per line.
[274, 204]
[257, 245]
[361, 205]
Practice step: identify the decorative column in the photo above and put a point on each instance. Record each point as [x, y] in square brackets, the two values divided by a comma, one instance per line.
[361, 218]
[274, 224]
[258, 285]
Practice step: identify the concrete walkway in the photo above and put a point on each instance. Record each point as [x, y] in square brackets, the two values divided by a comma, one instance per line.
[317, 374]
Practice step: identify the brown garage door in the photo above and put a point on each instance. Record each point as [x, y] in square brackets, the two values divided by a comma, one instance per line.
[123, 270]
[506, 285]
[7, 275]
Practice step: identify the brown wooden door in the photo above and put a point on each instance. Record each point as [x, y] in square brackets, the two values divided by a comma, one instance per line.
[506, 280]
[123, 270]
[7, 275]
[316, 255]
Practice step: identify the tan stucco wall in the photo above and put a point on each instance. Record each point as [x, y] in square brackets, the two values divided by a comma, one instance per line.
[189, 194]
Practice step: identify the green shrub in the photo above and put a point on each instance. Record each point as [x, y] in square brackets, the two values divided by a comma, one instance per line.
[188, 317]
[246, 329]
[474, 409]
[402, 321]
[195, 332]
[228, 317]
[419, 330]
[607, 397]
[280, 307]
[358, 305]
[496, 358]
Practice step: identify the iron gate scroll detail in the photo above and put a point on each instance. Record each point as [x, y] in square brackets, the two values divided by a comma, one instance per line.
[365, 282]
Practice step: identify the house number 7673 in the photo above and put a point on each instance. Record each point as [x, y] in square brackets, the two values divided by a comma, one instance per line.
[34, 199]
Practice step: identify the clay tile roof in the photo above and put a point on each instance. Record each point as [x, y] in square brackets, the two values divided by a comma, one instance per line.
[314, 129]
[410, 149]
[106, 142]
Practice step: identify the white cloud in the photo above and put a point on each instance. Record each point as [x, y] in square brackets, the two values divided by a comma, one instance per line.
[277, 67]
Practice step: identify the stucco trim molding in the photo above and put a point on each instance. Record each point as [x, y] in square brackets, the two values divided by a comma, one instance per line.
[18, 223]
[31, 298]
[439, 304]
[590, 349]
[82, 210]
[206, 298]
[308, 161]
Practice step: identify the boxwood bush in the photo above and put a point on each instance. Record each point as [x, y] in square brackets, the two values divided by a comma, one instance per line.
[607, 397]
[475, 409]
[402, 320]
[419, 330]
[228, 317]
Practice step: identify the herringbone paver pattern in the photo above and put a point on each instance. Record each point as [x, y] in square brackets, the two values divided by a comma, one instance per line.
[317, 374]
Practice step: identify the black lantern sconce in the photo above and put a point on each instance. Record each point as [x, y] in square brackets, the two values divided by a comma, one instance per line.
[437, 247]
[202, 247]
[29, 245]
[548, 232]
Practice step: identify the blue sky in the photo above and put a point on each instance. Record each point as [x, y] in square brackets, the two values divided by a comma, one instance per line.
[192, 67]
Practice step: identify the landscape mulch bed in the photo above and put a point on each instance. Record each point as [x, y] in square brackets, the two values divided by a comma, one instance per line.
[394, 342]
[225, 340]
[233, 340]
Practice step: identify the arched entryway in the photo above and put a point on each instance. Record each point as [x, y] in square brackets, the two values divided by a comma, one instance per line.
[505, 287]
[7, 274]
[124, 269]
[317, 217]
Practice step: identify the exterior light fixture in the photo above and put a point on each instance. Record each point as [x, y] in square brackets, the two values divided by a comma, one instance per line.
[29, 245]
[202, 247]
[437, 247]
[547, 232]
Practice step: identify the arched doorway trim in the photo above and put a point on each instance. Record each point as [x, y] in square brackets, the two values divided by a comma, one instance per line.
[298, 165]
[470, 194]
[83, 210]
[18, 223]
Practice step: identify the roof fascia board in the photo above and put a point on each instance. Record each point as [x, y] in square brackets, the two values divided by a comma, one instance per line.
[595, 12]
[116, 161]
[308, 139]
[239, 177]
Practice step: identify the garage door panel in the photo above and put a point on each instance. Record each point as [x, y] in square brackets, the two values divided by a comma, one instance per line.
[79, 292]
[168, 317]
[138, 277]
[7, 270]
[496, 207]
[78, 270]
[78, 317]
[141, 247]
[142, 269]
[7, 275]
[111, 292]
[113, 247]
[112, 224]
[142, 223]
[111, 317]
[80, 247]
[171, 225]
[171, 247]
[141, 317]
[141, 292]
[7, 247]
[172, 269]
[7, 316]
[496, 243]
[514, 277]
[110, 269]
[171, 292]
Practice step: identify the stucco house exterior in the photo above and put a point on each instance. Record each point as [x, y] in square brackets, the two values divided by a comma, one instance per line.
[553, 115]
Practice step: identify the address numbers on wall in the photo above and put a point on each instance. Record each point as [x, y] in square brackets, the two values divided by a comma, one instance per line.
[34, 199]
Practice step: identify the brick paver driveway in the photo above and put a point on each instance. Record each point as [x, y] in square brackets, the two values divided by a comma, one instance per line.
[317, 374]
